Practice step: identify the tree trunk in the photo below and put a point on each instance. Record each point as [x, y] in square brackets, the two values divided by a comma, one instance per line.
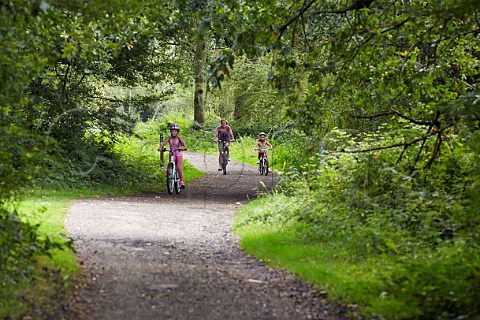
[200, 82]
[237, 112]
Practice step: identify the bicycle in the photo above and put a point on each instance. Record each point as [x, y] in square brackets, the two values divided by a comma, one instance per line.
[173, 180]
[263, 164]
[225, 156]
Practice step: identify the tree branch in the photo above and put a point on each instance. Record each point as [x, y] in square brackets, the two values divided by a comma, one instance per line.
[398, 25]
[403, 144]
[301, 12]
[374, 116]
[356, 5]
[419, 153]
[110, 99]
[65, 79]
[401, 115]
[394, 112]
[436, 151]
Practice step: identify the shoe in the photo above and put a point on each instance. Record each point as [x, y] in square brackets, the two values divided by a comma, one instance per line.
[182, 185]
[258, 161]
[220, 168]
[229, 158]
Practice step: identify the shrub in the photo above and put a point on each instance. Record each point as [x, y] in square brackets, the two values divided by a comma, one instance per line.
[366, 205]
[20, 246]
[444, 284]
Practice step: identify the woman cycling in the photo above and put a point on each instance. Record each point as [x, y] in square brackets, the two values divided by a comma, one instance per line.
[225, 135]
[176, 142]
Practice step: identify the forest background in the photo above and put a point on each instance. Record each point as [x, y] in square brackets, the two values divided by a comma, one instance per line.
[373, 108]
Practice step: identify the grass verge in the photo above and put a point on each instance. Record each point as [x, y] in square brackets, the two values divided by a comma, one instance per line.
[360, 284]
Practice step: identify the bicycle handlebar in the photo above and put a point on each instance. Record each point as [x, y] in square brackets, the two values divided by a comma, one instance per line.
[165, 150]
[220, 140]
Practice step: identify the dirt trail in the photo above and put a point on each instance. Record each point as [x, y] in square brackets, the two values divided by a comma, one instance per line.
[160, 256]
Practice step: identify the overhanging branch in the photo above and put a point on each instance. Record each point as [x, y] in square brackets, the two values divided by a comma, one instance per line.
[356, 5]
[393, 111]
[401, 115]
[402, 144]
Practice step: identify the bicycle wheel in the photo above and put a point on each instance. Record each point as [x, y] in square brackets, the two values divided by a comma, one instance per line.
[261, 166]
[224, 168]
[170, 178]
[225, 162]
[177, 183]
[265, 167]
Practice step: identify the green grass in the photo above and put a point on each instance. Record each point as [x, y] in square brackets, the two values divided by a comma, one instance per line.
[348, 280]
[242, 150]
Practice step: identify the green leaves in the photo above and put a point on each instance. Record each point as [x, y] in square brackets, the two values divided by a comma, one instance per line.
[415, 57]
[19, 248]
[400, 178]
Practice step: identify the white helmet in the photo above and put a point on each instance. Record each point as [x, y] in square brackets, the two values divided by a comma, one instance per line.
[174, 126]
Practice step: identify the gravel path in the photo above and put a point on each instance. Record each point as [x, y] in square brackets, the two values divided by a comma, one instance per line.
[160, 256]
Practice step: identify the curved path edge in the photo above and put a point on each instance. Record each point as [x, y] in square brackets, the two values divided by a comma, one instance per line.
[160, 256]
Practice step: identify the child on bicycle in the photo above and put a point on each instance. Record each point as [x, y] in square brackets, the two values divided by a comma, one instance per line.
[261, 145]
[176, 142]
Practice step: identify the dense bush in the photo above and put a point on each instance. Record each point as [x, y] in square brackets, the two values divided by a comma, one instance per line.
[439, 284]
[123, 162]
[20, 246]
[366, 205]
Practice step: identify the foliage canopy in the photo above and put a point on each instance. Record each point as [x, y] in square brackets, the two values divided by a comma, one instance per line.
[390, 88]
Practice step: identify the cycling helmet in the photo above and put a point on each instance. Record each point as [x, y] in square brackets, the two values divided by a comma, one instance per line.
[174, 126]
[262, 133]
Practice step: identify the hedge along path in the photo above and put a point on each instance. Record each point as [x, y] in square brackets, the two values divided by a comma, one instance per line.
[160, 256]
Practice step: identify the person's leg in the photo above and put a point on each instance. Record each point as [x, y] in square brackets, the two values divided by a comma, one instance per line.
[227, 145]
[179, 160]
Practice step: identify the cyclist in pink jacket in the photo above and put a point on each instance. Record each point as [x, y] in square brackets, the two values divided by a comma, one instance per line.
[176, 142]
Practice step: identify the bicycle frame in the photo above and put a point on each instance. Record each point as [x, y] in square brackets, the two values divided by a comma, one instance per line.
[173, 161]
[263, 164]
[224, 155]
[264, 155]
[173, 180]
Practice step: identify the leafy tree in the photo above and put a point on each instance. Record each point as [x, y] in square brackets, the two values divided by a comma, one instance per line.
[248, 99]
[56, 58]
[399, 179]
[200, 82]
[403, 63]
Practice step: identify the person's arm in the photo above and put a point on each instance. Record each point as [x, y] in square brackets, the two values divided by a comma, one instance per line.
[215, 135]
[256, 145]
[162, 145]
[269, 144]
[231, 133]
[183, 143]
